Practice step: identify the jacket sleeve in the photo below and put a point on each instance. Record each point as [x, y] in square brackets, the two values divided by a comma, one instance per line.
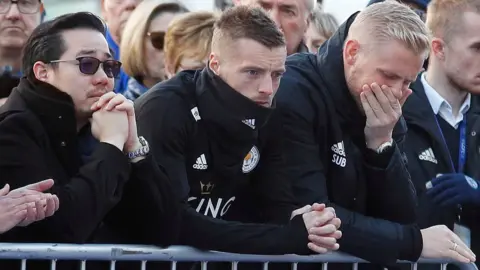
[163, 125]
[388, 175]
[149, 212]
[375, 240]
[207, 233]
[270, 183]
[85, 199]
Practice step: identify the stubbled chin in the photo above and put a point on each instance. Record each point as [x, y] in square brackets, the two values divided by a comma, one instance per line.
[13, 42]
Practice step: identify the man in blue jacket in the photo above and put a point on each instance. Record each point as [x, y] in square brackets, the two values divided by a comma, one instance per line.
[339, 109]
[116, 14]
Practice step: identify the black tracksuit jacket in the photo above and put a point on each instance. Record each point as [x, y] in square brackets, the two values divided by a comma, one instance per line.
[328, 162]
[221, 152]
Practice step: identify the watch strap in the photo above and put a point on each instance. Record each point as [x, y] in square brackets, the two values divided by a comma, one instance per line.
[384, 146]
[140, 152]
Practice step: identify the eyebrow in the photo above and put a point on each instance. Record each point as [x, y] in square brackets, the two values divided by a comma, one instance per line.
[288, 6]
[475, 44]
[93, 52]
[282, 70]
[397, 75]
[249, 67]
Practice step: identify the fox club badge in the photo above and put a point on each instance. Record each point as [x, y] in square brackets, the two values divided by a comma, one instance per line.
[251, 160]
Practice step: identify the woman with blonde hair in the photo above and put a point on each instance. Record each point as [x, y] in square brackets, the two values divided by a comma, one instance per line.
[188, 40]
[142, 45]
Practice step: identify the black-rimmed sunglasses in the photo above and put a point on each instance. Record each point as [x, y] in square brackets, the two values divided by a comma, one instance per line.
[157, 39]
[24, 6]
[89, 65]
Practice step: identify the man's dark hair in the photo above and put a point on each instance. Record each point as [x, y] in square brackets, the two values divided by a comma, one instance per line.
[250, 23]
[46, 42]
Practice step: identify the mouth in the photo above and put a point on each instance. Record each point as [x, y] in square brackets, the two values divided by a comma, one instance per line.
[263, 103]
[97, 94]
[12, 28]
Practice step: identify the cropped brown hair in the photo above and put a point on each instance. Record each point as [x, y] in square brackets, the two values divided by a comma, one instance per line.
[190, 36]
[444, 17]
[247, 22]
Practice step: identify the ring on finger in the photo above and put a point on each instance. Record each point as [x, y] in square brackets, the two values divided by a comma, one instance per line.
[455, 246]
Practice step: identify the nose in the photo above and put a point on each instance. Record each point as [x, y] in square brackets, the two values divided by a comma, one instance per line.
[266, 87]
[100, 78]
[13, 13]
[275, 16]
[398, 87]
[131, 4]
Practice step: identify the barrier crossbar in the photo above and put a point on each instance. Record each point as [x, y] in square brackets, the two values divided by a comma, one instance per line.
[174, 254]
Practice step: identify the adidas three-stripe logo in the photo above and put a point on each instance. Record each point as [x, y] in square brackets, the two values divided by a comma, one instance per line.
[249, 122]
[428, 155]
[201, 163]
[339, 149]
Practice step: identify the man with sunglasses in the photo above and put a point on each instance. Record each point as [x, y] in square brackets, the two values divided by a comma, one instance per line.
[17, 21]
[55, 126]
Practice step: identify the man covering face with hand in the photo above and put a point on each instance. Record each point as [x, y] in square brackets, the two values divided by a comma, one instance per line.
[341, 110]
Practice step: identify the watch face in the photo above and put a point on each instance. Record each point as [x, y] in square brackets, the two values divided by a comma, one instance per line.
[146, 147]
[143, 141]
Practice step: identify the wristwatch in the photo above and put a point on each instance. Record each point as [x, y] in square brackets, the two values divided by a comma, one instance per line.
[140, 152]
[384, 147]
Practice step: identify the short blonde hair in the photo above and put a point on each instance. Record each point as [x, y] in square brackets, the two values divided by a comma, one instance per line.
[444, 17]
[390, 20]
[190, 35]
[132, 46]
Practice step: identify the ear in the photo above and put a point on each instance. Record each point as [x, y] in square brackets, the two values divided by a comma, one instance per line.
[40, 70]
[438, 48]
[214, 63]
[350, 51]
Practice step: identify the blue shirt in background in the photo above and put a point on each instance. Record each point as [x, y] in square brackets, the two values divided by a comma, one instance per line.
[122, 80]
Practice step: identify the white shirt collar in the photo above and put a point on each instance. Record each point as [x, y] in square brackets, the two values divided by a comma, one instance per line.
[441, 107]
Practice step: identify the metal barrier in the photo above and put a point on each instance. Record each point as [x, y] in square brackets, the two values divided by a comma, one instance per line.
[174, 254]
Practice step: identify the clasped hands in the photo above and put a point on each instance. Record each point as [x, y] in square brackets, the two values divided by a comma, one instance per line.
[113, 121]
[322, 226]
